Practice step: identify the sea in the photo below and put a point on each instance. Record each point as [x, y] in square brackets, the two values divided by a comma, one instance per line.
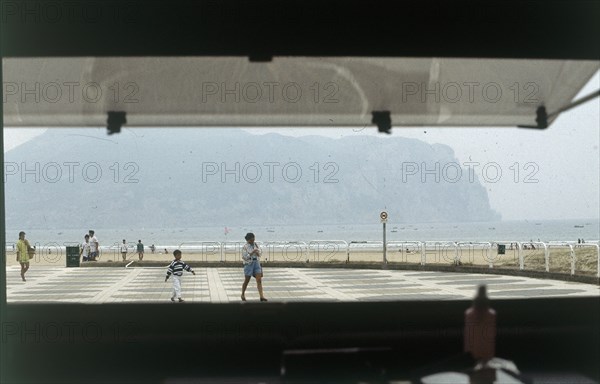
[494, 232]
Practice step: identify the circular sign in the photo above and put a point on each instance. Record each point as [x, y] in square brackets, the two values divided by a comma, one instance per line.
[383, 215]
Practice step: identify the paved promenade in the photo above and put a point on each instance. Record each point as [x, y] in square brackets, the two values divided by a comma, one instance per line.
[223, 285]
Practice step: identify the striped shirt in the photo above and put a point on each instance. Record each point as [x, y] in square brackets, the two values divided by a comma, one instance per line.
[176, 268]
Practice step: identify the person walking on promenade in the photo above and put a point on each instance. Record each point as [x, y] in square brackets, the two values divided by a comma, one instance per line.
[124, 250]
[250, 255]
[24, 253]
[140, 250]
[84, 253]
[176, 269]
[94, 246]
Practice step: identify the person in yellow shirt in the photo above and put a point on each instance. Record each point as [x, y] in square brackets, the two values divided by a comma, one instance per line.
[24, 253]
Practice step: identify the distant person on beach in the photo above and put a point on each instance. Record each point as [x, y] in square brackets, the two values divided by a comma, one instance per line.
[94, 246]
[176, 269]
[166, 252]
[140, 250]
[84, 253]
[152, 248]
[124, 250]
[24, 253]
[250, 255]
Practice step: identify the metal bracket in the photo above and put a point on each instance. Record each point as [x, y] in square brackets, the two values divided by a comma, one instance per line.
[541, 119]
[115, 121]
[383, 121]
[543, 116]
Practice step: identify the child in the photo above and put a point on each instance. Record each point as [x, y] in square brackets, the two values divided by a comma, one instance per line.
[176, 269]
[85, 248]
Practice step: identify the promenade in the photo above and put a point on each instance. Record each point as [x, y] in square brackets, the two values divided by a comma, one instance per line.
[46, 284]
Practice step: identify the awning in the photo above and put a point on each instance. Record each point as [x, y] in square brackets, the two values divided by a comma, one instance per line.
[287, 91]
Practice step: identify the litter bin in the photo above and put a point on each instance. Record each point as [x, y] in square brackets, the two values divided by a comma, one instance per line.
[501, 249]
[72, 256]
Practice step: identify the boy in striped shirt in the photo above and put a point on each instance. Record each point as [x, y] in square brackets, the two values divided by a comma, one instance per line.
[176, 269]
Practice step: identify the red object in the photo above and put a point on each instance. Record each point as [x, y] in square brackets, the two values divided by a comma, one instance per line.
[480, 328]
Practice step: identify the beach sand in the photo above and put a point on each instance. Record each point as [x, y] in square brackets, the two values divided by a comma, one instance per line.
[559, 261]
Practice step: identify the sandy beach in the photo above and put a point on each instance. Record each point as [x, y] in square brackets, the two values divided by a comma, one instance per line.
[559, 260]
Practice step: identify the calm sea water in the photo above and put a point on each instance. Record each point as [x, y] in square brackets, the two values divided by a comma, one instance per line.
[504, 231]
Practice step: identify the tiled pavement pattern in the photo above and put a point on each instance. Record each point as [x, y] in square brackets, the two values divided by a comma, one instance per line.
[219, 285]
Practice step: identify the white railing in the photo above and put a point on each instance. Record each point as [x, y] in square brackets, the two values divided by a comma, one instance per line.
[320, 251]
[572, 253]
[367, 246]
[472, 246]
[295, 251]
[440, 249]
[572, 246]
[233, 248]
[597, 246]
[521, 247]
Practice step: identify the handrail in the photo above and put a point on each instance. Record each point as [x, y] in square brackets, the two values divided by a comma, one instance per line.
[488, 247]
[304, 248]
[443, 243]
[538, 243]
[597, 252]
[300, 246]
[354, 244]
[570, 245]
[232, 244]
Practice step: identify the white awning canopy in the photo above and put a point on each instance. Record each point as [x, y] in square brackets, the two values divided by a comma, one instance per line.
[298, 91]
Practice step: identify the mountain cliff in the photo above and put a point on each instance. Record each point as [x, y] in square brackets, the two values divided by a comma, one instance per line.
[72, 178]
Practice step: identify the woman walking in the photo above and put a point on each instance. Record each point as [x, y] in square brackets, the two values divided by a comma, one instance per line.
[251, 255]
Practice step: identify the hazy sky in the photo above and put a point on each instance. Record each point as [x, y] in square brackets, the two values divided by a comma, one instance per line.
[550, 174]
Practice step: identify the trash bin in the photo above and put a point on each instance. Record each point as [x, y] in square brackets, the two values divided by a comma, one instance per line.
[72, 256]
[501, 249]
